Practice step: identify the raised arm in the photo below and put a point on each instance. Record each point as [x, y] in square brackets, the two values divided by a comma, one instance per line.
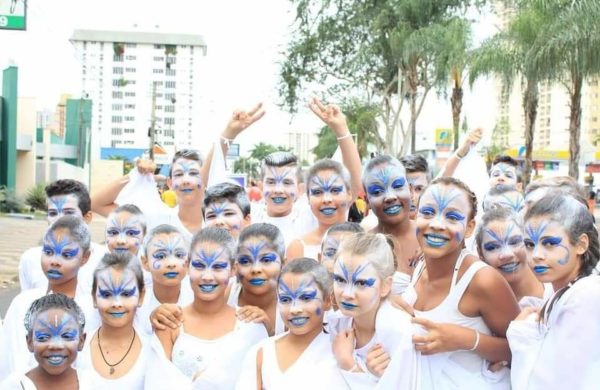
[335, 119]
[239, 121]
[473, 139]
[103, 200]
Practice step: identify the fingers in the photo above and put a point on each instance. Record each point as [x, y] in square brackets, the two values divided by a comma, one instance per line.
[255, 110]
[427, 348]
[424, 322]
[318, 104]
[401, 304]
[157, 325]
[167, 321]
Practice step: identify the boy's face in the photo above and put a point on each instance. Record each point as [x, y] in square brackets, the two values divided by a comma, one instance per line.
[124, 233]
[226, 215]
[167, 259]
[503, 173]
[61, 257]
[186, 180]
[61, 205]
[55, 339]
[417, 181]
[280, 190]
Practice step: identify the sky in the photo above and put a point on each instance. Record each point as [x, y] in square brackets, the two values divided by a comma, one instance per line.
[245, 40]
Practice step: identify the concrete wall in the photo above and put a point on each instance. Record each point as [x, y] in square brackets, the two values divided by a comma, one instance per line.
[60, 170]
[26, 128]
[105, 171]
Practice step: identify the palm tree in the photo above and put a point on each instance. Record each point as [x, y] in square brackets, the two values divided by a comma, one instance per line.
[506, 56]
[247, 165]
[567, 49]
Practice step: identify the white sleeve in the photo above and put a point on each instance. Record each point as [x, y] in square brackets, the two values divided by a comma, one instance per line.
[525, 340]
[15, 356]
[25, 272]
[569, 357]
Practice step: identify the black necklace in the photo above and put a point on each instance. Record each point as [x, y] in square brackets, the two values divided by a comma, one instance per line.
[112, 366]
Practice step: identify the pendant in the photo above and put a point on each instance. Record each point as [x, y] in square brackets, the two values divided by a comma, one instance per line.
[111, 371]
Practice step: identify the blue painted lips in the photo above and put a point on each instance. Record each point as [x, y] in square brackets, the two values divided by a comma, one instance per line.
[278, 200]
[54, 274]
[257, 282]
[348, 306]
[171, 275]
[328, 211]
[299, 321]
[540, 269]
[207, 288]
[509, 268]
[393, 210]
[435, 241]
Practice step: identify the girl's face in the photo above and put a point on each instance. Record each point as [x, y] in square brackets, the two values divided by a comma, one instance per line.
[258, 265]
[124, 233]
[357, 287]
[61, 205]
[329, 198]
[388, 193]
[301, 303]
[503, 173]
[442, 220]
[330, 246]
[167, 258]
[186, 179]
[226, 215]
[61, 257]
[55, 339]
[502, 248]
[117, 296]
[210, 270]
[553, 258]
[280, 189]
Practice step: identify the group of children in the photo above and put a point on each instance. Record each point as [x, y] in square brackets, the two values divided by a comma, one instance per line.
[222, 293]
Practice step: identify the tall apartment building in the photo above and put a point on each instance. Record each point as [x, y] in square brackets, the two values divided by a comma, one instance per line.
[137, 80]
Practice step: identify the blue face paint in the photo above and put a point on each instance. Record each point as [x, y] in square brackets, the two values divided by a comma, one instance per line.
[330, 249]
[116, 290]
[173, 247]
[302, 297]
[442, 200]
[129, 230]
[320, 187]
[189, 170]
[537, 239]
[353, 280]
[52, 247]
[255, 259]
[208, 260]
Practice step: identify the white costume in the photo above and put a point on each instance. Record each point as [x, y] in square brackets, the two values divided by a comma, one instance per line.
[315, 369]
[294, 225]
[562, 351]
[219, 360]
[456, 369]
[394, 331]
[133, 380]
[234, 296]
[527, 301]
[142, 315]
[20, 381]
[311, 251]
[31, 274]
[15, 356]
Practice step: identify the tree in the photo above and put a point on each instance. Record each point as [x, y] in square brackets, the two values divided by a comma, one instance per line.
[506, 55]
[383, 51]
[567, 50]
[248, 166]
[262, 150]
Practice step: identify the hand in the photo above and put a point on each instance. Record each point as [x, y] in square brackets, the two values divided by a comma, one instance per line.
[377, 360]
[442, 337]
[240, 120]
[145, 167]
[167, 315]
[399, 303]
[473, 138]
[526, 312]
[256, 315]
[343, 349]
[495, 367]
[331, 115]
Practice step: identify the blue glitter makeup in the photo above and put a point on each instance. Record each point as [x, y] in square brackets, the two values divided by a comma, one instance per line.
[56, 332]
[53, 247]
[321, 187]
[209, 260]
[116, 290]
[536, 238]
[164, 249]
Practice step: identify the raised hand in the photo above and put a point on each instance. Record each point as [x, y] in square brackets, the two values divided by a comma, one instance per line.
[145, 167]
[240, 120]
[473, 139]
[331, 115]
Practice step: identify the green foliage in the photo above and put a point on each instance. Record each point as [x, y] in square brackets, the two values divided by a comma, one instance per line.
[262, 150]
[36, 197]
[9, 201]
[247, 165]
[128, 165]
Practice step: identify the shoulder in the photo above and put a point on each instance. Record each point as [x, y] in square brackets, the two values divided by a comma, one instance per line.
[586, 292]
[486, 280]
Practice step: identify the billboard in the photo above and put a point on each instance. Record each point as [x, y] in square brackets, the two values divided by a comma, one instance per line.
[13, 14]
[443, 140]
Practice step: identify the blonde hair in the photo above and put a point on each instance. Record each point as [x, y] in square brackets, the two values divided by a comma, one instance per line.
[378, 247]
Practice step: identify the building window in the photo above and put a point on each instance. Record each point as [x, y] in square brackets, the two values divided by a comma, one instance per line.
[130, 45]
[117, 107]
[170, 96]
[169, 121]
[129, 131]
[117, 119]
[169, 133]
[159, 58]
[171, 60]
[158, 46]
[128, 142]
[116, 131]
[117, 95]
[157, 71]
[169, 108]
[129, 119]
[117, 58]
[130, 106]
[130, 94]
[130, 70]
[130, 58]
[170, 84]
[170, 72]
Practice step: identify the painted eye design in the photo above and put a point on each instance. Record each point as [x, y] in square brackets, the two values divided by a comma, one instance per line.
[491, 246]
[159, 255]
[307, 297]
[427, 211]
[41, 337]
[398, 183]
[284, 299]
[454, 216]
[244, 260]
[52, 213]
[375, 190]
[112, 232]
[338, 279]
[180, 254]
[515, 241]
[104, 293]
[270, 258]
[128, 293]
[551, 241]
[69, 254]
[365, 282]
[337, 190]
[69, 336]
[330, 252]
[529, 244]
[197, 264]
[48, 251]
[132, 233]
[315, 192]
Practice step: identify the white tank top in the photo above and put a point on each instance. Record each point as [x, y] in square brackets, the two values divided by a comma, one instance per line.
[447, 311]
[233, 299]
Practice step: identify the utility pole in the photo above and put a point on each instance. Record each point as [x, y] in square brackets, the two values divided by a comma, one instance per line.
[152, 130]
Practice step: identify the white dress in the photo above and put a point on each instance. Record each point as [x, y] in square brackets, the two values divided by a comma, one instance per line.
[32, 276]
[315, 369]
[456, 369]
[20, 381]
[234, 296]
[563, 351]
[311, 251]
[133, 380]
[15, 356]
[220, 360]
[142, 315]
[394, 331]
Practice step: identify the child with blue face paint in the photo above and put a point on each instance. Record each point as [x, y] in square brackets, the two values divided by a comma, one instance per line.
[557, 346]
[284, 361]
[66, 248]
[226, 206]
[500, 244]
[116, 353]
[63, 197]
[165, 257]
[389, 196]
[504, 196]
[258, 262]
[125, 229]
[462, 305]
[54, 324]
[369, 324]
[208, 347]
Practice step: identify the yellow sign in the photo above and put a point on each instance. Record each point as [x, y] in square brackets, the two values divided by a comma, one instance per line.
[540, 154]
[443, 139]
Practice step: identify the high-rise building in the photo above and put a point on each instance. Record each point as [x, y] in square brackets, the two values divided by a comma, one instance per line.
[140, 81]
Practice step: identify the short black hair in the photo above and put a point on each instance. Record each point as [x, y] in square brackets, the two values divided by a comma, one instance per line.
[506, 159]
[188, 154]
[71, 187]
[230, 192]
[281, 159]
[415, 163]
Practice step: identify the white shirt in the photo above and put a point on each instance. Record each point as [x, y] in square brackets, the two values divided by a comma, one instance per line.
[294, 225]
